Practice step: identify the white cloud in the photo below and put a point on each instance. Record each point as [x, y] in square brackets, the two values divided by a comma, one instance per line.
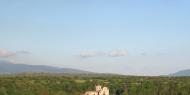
[22, 52]
[115, 53]
[87, 54]
[90, 54]
[118, 53]
[7, 53]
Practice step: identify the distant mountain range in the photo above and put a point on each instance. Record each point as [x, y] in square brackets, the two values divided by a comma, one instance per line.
[181, 73]
[10, 68]
[7, 67]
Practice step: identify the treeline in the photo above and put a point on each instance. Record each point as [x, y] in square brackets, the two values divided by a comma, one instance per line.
[77, 85]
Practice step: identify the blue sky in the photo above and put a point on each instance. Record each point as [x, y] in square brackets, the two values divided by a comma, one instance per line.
[140, 37]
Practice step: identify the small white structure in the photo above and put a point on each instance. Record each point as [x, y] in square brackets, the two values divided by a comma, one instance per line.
[99, 91]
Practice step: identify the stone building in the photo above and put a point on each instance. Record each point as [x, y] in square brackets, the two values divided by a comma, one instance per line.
[98, 91]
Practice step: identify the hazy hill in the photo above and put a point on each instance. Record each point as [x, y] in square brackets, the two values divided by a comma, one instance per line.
[181, 73]
[10, 68]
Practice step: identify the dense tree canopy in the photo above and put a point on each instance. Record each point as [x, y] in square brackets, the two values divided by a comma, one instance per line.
[77, 85]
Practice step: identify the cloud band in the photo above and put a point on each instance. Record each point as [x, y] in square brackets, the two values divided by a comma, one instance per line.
[115, 53]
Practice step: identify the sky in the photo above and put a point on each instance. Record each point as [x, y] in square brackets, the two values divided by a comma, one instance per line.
[131, 37]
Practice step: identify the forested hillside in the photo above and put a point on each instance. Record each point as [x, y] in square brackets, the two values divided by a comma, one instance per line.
[44, 84]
